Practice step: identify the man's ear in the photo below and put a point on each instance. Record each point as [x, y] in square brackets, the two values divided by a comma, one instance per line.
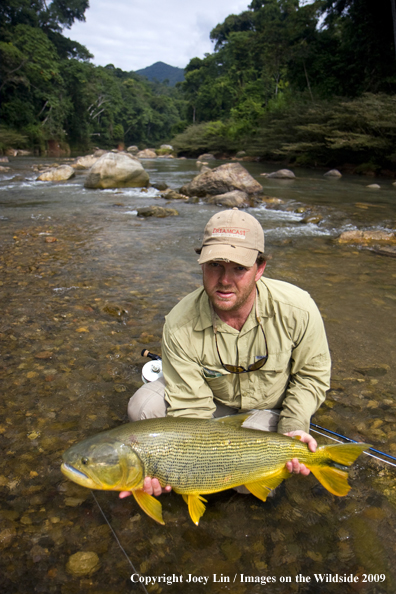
[260, 270]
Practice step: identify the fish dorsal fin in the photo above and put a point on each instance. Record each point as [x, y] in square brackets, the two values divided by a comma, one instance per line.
[233, 420]
[149, 504]
[195, 507]
[266, 483]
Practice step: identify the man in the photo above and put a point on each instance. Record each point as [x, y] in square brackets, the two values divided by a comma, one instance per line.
[240, 343]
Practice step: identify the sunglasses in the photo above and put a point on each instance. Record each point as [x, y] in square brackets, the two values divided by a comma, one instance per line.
[238, 368]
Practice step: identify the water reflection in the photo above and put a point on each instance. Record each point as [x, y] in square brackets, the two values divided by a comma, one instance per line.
[77, 312]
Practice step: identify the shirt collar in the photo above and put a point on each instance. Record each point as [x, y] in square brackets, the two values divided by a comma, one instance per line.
[265, 308]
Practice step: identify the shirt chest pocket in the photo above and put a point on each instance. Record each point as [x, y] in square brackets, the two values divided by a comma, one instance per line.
[273, 378]
[222, 387]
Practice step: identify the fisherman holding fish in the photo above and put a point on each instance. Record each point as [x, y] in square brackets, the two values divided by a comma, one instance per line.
[240, 343]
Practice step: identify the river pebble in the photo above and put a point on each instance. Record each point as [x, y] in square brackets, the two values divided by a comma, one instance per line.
[83, 563]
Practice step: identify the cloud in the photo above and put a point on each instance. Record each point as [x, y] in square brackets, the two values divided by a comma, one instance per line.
[133, 35]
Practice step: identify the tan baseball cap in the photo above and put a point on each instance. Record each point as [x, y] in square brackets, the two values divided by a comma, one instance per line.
[234, 236]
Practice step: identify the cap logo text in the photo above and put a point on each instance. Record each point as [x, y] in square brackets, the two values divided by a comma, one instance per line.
[229, 232]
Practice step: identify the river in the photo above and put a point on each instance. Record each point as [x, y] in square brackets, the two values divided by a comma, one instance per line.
[85, 285]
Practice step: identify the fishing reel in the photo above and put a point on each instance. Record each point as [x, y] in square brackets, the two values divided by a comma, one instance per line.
[152, 370]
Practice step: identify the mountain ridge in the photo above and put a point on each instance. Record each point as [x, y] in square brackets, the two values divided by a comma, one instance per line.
[160, 71]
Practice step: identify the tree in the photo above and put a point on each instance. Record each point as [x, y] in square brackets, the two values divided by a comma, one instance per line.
[366, 45]
[54, 16]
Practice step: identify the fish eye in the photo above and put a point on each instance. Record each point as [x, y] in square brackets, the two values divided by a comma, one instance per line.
[84, 461]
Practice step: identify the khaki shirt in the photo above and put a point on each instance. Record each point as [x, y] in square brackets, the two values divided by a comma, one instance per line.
[294, 379]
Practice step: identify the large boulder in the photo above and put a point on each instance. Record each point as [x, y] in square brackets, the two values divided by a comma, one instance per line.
[85, 162]
[132, 149]
[220, 180]
[147, 154]
[61, 173]
[99, 152]
[235, 199]
[117, 170]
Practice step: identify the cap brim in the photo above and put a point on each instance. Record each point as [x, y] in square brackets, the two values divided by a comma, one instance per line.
[229, 253]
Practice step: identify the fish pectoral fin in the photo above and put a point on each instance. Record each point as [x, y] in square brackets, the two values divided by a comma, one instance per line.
[195, 507]
[258, 490]
[149, 504]
[266, 483]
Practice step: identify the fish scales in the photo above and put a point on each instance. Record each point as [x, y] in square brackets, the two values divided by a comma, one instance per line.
[193, 456]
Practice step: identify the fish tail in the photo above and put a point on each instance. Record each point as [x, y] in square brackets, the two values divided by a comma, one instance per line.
[331, 476]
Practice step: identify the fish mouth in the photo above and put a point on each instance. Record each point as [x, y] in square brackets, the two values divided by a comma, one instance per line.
[68, 469]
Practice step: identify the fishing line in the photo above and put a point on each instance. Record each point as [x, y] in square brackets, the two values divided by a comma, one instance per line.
[117, 540]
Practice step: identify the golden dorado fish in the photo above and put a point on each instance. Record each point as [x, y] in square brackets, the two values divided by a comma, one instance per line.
[197, 457]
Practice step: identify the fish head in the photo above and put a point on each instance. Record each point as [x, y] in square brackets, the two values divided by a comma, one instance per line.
[103, 463]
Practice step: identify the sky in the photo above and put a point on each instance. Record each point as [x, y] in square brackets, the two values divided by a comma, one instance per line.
[133, 34]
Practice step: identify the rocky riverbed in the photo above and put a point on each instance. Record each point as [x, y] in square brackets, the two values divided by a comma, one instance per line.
[85, 284]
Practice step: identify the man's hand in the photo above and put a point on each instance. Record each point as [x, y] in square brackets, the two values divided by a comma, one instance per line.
[294, 465]
[150, 486]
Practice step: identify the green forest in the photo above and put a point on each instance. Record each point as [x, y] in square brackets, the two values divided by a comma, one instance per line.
[309, 84]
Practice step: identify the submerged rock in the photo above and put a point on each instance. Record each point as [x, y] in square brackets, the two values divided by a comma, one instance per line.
[61, 173]
[83, 563]
[156, 211]
[282, 174]
[313, 219]
[366, 237]
[206, 157]
[170, 194]
[116, 170]
[334, 173]
[386, 250]
[161, 186]
[220, 180]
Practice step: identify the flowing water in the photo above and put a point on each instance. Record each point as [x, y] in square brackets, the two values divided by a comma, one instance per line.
[85, 286]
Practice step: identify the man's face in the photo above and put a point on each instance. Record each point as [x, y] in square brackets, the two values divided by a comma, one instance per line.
[230, 286]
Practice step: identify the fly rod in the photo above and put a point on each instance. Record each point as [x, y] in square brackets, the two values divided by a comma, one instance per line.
[153, 357]
[352, 441]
